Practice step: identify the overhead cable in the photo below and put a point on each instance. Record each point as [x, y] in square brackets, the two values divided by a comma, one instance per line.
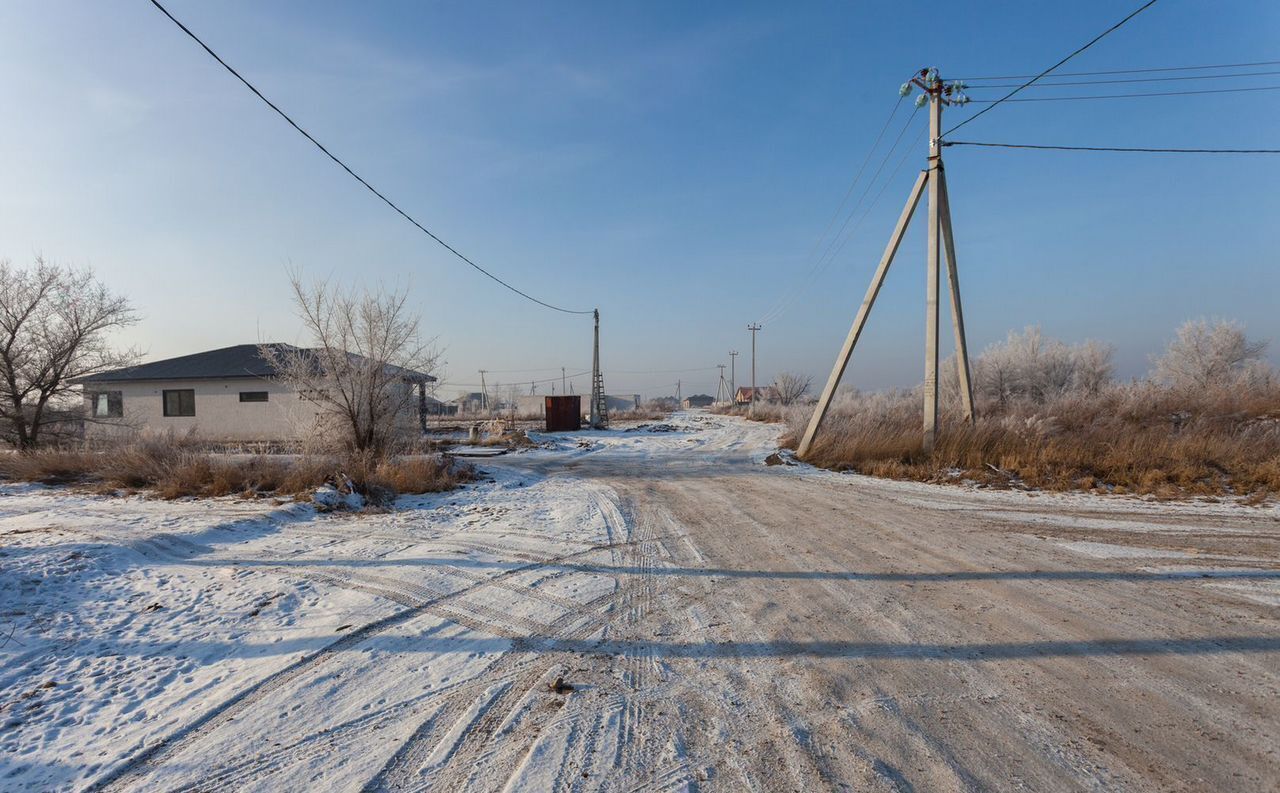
[1107, 148]
[1132, 80]
[1079, 50]
[995, 102]
[1127, 71]
[353, 174]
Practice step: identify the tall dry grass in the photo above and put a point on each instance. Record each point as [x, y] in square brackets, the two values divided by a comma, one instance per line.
[1139, 438]
[767, 412]
[172, 468]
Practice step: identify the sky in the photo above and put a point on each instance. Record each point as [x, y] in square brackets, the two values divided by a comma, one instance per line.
[673, 164]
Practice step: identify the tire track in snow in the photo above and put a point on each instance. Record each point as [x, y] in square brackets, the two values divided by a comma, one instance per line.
[399, 773]
[137, 767]
[516, 717]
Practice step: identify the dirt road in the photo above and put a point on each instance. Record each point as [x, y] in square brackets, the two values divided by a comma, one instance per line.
[824, 632]
[746, 627]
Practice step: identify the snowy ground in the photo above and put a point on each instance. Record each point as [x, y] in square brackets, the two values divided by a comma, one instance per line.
[228, 644]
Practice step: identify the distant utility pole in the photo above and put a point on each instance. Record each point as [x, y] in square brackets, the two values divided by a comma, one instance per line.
[722, 389]
[753, 327]
[533, 388]
[733, 373]
[679, 401]
[599, 408]
[484, 392]
[563, 390]
[937, 93]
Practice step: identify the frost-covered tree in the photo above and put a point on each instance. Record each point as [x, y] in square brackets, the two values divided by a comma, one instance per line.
[366, 363]
[1026, 366]
[791, 387]
[1206, 354]
[1093, 367]
[55, 327]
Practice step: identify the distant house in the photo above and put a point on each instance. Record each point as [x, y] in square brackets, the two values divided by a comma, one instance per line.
[762, 394]
[434, 407]
[699, 401]
[473, 402]
[229, 394]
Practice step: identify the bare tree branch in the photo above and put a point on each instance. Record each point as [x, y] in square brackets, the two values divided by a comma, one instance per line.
[366, 367]
[791, 387]
[54, 327]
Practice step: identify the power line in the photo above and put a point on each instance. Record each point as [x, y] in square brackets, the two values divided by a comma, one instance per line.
[836, 243]
[906, 155]
[839, 209]
[1108, 148]
[1133, 80]
[521, 382]
[352, 173]
[1126, 71]
[659, 371]
[1095, 40]
[451, 384]
[995, 102]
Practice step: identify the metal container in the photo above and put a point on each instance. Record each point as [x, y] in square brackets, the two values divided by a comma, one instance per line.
[564, 413]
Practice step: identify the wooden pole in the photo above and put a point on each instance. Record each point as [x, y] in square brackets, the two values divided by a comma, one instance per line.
[860, 321]
[931, 278]
[957, 312]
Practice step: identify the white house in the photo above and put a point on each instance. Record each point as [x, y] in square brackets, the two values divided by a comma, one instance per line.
[224, 395]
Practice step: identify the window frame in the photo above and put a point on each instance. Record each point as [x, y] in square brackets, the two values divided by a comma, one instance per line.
[178, 392]
[114, 404]
[255, 396]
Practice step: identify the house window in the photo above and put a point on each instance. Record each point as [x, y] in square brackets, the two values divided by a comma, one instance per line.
[107, 404]
[253, 396]
[180, 402]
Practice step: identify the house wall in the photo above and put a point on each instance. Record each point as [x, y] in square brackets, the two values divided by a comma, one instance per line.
[220, 415]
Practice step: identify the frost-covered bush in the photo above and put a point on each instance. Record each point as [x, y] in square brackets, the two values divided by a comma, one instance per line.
[1211, 354]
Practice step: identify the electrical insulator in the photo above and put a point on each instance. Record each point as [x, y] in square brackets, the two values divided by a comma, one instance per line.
[905, 89]
[921, 101]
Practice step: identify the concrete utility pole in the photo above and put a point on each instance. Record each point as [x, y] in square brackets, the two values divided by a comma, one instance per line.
[753, 327]
[722, 388]
[733, 374]
[932, 271]
[679, 401]
[937, 93]
[484, 392]
[563, 390]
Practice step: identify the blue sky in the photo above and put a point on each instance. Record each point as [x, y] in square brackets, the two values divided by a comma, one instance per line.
[671, 163]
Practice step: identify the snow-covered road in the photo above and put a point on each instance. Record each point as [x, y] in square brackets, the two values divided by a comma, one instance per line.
[723, 624]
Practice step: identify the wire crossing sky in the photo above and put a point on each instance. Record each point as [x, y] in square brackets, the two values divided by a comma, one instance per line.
[687, 168]
[353, 174]
[1073, 54]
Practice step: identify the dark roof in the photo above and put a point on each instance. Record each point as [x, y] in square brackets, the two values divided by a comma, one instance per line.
[242, 360]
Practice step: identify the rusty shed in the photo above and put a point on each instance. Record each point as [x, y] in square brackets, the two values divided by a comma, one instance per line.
[564, 413]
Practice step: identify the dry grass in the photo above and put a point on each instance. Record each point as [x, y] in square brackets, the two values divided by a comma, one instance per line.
[767, 412]
[1138, 438]
[172, 469]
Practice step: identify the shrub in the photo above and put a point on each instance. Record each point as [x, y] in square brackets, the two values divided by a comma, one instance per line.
[1143, 438]
[176, 469]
